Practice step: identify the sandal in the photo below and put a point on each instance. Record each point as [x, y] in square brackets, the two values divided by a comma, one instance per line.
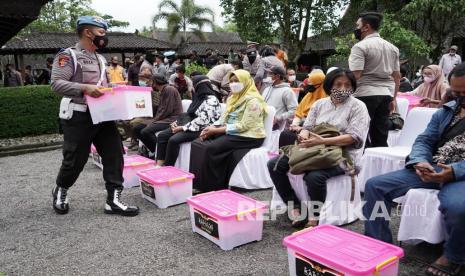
[298, 222]
[450, 270]
[311, 223]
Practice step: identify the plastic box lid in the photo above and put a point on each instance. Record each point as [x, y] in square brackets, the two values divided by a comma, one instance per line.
[225, 204]
[137, 160]
[344, 250]
[164, 175]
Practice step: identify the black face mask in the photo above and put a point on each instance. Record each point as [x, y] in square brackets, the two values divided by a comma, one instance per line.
[310, 88]
[358, 34]
[252, 59]
[100, 41]
[461, 101]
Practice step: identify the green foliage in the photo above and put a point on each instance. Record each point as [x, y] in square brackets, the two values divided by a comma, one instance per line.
[61, 16]
[229, 27]
[288, 21]
[436, 21]
[410, 45]
[196, 67]
[185, 17]
[28, 110]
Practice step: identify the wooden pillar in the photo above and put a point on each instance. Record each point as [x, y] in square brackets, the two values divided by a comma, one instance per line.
[16, 61]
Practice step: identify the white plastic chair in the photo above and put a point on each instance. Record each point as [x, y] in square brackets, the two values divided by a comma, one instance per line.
[402, 108]
[338, 209]
[381, 160]
[252, 171]
[184, 156]
[185, 105]
[421, 219]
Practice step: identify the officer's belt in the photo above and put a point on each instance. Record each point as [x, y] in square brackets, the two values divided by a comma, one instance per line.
[79, 107]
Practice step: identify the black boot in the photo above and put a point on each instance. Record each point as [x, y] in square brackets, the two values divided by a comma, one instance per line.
[60, 200]
[115, 206]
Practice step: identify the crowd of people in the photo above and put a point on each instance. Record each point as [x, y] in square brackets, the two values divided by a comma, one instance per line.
[226, 119]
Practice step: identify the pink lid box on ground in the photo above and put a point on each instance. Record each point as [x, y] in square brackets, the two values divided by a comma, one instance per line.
[137, 160]
[342, 249]
[413, 100]
[165, 175]
[225, 204]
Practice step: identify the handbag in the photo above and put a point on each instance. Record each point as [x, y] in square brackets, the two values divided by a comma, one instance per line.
[318, 157]
[183, 119]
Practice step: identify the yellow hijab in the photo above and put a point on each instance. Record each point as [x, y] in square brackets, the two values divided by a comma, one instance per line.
[250, 91]
[316, 78]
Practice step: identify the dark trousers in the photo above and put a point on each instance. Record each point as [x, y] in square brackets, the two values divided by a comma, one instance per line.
[169, 143]
[378, 109]
[137, 130]
[213, 161]
[384, 188]
[148, 134]
[287, 137]
[79, 133]
[315, 181]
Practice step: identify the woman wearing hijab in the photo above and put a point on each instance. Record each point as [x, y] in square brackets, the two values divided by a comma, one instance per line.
[241, 128]
[433, 89]
[315, 91]
[202, 112]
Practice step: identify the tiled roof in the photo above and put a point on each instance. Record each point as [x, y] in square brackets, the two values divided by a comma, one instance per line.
[216, 37]
[52, 42]
[201, 48]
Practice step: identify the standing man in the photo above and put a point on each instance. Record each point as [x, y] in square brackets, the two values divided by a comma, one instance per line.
[252, 61]
[375, 63]
[79, 71]
[134, 69]
[12, 77]
[450, 60]
[182, 82]
[115, 71]
[159, 67]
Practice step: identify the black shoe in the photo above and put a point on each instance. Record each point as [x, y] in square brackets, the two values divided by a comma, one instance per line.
[60, 200]
[115, 206]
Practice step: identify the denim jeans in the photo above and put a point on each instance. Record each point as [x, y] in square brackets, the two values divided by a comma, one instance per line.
[385, 188]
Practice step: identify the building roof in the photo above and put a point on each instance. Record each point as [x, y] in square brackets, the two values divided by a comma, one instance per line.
[219, 41]
[217, 37]
[14, 17]
[320, 43]
[52, 42]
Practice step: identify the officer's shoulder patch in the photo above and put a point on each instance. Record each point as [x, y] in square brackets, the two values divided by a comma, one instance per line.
[63, 59]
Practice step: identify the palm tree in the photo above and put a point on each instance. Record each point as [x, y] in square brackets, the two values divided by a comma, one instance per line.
[187, 16]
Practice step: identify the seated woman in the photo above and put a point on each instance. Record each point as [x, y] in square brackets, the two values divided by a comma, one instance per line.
[345, 112]
[204, 110]
[433, 88]
[241, 127]
[169, 107]
[315, 91]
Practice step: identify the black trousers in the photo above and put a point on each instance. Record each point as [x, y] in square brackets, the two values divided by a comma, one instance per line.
[378, 109]
[287, 137]
[213, 161]
[137, 130]
[169, 143]
[148, 134]
[315, 181]
[79, 133]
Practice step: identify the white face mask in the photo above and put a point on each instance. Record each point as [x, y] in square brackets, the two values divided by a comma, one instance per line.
[236, 87]
[267, 80]
[427, 79]
[291, 78]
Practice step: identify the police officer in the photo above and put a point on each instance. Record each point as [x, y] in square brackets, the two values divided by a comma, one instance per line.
[79, 71]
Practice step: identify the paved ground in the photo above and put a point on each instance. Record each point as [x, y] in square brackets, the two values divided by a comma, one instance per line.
[33, 240]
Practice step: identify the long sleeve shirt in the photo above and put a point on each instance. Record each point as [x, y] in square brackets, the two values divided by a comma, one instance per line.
[207, 113]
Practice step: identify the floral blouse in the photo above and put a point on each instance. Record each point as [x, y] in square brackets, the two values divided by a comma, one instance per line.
[453, 150]
[207, 113]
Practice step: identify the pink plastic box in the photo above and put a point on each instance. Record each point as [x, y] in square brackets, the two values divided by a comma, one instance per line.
[96, 159]
[337, 251]
[165, 186]
[227, 218]
[132, 165]
[121, 103]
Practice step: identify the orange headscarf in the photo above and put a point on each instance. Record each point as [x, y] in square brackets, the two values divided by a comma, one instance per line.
[436, 89]
[316, 78]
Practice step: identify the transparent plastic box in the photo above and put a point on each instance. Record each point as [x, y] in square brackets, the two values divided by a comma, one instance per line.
[336, 251]
[165, 186]
[227, 218]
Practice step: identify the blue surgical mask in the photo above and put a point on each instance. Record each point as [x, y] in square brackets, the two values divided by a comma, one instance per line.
[142, 83]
